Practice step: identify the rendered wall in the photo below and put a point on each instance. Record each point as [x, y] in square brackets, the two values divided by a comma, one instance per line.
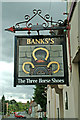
[74, 84]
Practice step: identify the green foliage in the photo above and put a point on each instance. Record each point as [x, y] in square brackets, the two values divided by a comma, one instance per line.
[7, 101]
[3, 98]
[27, 106]
[18, 106]
[5, 109]
[38, 97]
[3, 104]
[13, 106]
[12, 101]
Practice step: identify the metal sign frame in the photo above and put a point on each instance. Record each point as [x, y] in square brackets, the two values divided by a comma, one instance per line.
[23, 80]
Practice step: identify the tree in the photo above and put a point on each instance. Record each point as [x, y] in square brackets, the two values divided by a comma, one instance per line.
[3, 104]
[27, 106]
[7, 101]
[5, 109]
[3, 98]
[12, 101]
[38, 97]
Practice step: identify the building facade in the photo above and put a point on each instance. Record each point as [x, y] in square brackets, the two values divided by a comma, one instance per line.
[72, 92]
[64, 101]
[33, 109]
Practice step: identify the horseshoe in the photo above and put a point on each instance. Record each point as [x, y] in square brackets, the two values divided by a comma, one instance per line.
[40, 49]
[54, 62]
[24, 66]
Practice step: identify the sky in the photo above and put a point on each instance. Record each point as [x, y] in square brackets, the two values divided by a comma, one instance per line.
[11, 13]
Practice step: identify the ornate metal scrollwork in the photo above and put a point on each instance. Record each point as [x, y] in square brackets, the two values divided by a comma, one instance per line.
[45, 24]
[48, 23]
[47, 16]
[28, 19]
[39, 12]
[34, 11]
[60, 22]
[30, 24]
[17, 26]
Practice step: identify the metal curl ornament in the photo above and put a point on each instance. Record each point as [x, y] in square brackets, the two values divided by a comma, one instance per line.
[29, 25]
[35, 11]
[27, 17]
[60, 21]
[47, 16]
[45, 24]
[17, 26]
[39, 12]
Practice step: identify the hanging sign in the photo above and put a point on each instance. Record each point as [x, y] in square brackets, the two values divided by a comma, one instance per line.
[40, 60]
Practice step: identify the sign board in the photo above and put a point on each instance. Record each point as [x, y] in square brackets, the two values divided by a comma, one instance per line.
[40, 60]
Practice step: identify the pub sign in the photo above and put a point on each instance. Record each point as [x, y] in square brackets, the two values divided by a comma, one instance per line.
[40, 60]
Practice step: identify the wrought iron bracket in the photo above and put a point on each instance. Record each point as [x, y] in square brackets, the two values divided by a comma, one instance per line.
[48, 24]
